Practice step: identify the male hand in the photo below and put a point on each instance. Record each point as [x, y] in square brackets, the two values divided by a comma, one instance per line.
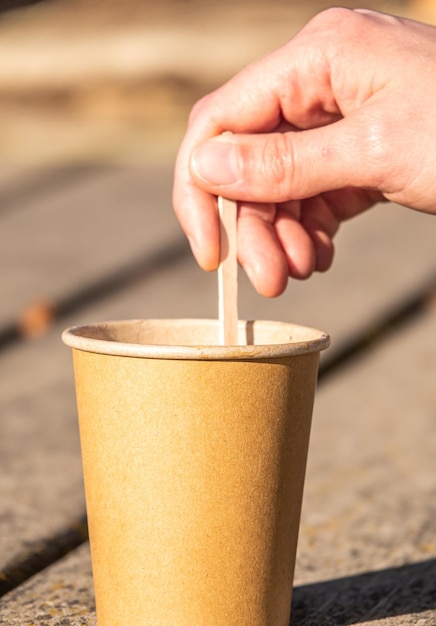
[341, 117]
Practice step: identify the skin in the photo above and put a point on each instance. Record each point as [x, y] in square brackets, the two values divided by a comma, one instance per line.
[341, 117]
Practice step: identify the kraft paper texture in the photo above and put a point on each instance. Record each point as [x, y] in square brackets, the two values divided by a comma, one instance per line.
[194, 473]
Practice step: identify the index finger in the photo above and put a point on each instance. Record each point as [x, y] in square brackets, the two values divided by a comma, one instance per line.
[291, 84]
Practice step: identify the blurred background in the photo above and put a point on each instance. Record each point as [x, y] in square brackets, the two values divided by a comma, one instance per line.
[113, 81]
[94, 99]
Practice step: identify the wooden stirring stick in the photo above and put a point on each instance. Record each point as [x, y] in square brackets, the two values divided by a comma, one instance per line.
[228, 274]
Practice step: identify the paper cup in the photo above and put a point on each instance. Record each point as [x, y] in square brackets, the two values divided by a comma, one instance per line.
[194, 457]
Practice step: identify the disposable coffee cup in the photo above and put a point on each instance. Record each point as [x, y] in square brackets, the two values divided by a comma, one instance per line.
[194, 457]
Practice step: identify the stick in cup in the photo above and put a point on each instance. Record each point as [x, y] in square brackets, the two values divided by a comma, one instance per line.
[228, 273]
[194, 457]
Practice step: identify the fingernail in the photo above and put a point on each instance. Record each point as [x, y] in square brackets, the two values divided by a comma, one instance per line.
[216, 162]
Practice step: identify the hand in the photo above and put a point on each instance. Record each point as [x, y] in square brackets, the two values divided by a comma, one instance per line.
[341, 117]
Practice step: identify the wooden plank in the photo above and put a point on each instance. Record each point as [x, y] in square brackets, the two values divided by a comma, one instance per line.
[367, 553]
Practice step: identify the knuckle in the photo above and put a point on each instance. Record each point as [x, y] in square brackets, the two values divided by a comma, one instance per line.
[198, 109]
[337, 26]
[376, 145]
[278, 160]
[333, 18]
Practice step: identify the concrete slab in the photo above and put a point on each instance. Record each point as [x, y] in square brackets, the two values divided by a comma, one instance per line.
[62, 596]
[41, 479]
[74, 231]
[370, 493]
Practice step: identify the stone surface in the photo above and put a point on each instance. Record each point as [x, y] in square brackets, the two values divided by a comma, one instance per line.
[61, 596]
[41, 478]
[397, 596]
[78, 227]
[369, 516]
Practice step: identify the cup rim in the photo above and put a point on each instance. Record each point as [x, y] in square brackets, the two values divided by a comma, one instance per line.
[98, 338]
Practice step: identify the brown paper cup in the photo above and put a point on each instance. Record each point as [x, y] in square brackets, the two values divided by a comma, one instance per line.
[194, 459]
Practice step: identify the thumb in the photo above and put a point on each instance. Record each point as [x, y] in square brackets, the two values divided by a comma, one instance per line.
[276, 167]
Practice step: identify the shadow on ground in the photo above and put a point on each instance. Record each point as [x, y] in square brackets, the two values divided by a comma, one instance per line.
[367, 597]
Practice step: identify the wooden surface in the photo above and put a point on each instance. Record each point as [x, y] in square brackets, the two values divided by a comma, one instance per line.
[101, 243]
